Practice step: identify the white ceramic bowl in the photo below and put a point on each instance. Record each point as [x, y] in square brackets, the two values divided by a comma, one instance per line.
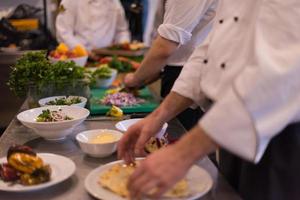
[97, 150]
[54, 130]
[125, 124]
[80, 61]
[44, 101]
[106, 82]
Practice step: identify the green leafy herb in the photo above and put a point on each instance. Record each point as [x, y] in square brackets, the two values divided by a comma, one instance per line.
[121, 66]
[44, 116]
[103, 72]
[52, 116]
[64, 101]
[34, 68]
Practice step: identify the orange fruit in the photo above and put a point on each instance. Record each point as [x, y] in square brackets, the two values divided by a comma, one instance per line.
[79, 51]
[62, 48]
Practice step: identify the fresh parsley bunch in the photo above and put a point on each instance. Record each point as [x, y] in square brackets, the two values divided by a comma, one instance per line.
[34, 68]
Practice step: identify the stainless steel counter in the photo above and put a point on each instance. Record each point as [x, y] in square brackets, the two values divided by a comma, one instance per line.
[73, 188]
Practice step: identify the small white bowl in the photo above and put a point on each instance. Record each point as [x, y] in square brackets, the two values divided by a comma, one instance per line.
[125, 124]
[80, 61]
[106, 82]
[44, 101]
[53, 130]
[97, 150]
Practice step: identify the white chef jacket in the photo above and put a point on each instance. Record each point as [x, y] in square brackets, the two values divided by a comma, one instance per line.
[188, 23]
[92, 23]
[250, 66]
[152, 8]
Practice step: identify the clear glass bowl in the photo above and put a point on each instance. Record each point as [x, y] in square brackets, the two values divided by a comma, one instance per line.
[74, 88]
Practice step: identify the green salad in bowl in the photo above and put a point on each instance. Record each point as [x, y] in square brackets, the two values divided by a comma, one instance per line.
[52, 116]
[103, 76]
[63, 101]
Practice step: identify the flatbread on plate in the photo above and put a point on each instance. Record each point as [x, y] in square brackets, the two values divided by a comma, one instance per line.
[115, 179]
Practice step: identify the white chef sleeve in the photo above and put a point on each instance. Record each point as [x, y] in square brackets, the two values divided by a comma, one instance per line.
[180, 19]
[188, 82]
[122, 30]
[265, 97]
[65, 23]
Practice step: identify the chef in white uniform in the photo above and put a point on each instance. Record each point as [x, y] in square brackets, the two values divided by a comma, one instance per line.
[91, 23]
[249, 67]
[186, 25]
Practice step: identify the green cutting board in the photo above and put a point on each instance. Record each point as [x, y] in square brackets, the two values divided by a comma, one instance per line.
[96, 108]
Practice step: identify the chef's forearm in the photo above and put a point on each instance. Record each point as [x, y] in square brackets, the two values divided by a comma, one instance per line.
[195, 145]
[155, 59]
[172, 105]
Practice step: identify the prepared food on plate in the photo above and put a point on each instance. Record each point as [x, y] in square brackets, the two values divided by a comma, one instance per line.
[64, 101]
[121, 99]
[52, 116]
[155, 143]
[63, 52]
[24, 166]
[116, 178]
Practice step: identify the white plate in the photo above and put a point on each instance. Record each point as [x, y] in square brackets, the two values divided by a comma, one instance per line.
[62, 168]
[200, 182]
[125, 124]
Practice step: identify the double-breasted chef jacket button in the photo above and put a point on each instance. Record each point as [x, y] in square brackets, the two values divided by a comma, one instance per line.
[223, 65]
[221, 21]
[236, 19]
[205, 61]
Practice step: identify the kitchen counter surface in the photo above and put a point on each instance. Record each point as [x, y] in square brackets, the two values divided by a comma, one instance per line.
[73, 188]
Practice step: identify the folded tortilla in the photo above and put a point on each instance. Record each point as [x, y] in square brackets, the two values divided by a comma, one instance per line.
[116, 178]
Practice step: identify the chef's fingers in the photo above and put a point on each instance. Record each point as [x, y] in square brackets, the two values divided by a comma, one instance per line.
[142, 185]
[160, 190]
[127, 143]
[138, 172]
[148, 187]
[128, 158]
[141, 142]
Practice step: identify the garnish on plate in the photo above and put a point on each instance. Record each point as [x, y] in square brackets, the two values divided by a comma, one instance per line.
[52, 116]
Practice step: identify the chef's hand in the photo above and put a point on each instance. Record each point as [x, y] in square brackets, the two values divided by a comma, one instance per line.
[134, 140]
[158, 173]
[131, 81]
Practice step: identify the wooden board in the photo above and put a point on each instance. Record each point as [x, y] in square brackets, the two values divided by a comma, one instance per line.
[96, 108]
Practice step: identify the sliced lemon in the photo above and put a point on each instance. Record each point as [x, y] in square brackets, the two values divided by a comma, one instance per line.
[115, 112]
[113, 91]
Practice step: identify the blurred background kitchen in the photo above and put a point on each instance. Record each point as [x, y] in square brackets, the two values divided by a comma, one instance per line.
[30, 25]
